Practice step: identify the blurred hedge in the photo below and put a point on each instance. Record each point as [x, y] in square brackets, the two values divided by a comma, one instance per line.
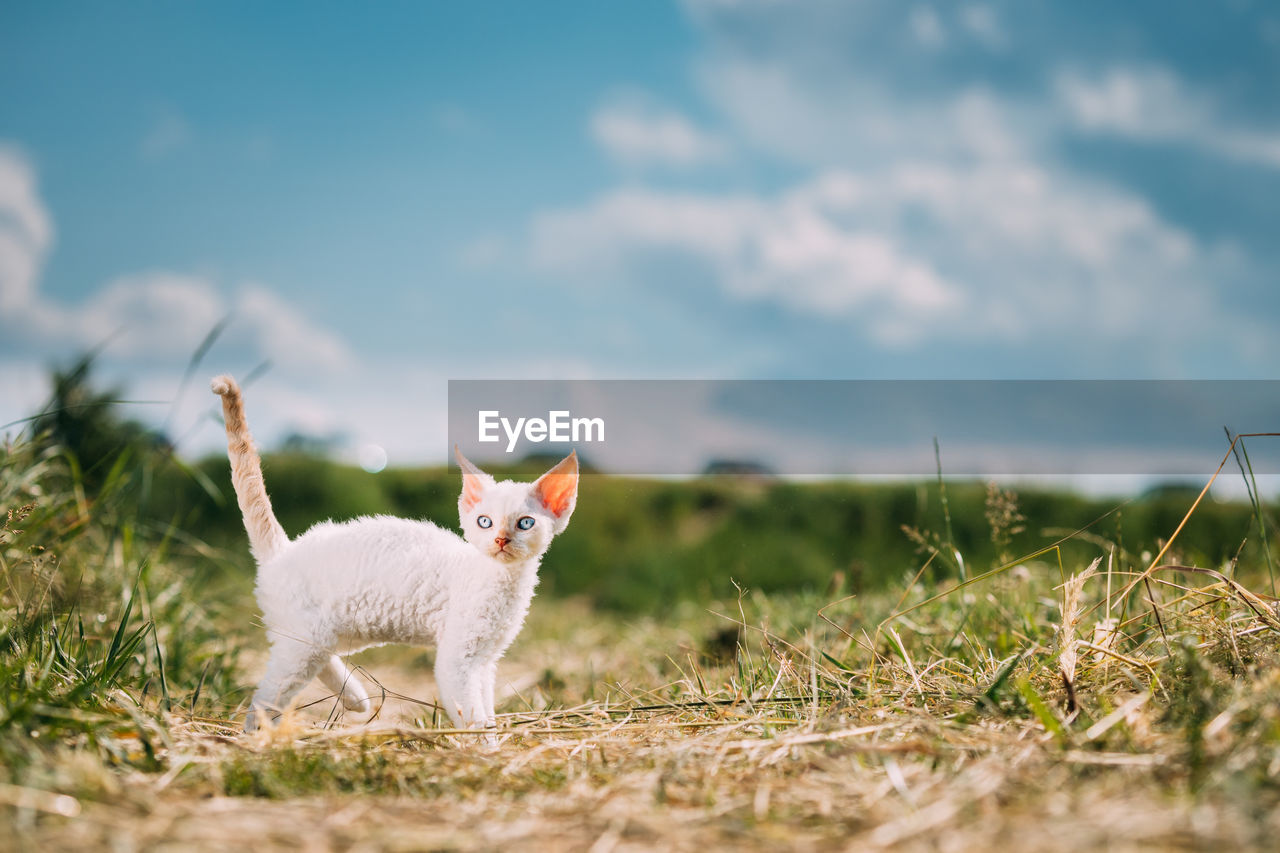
[640, 544]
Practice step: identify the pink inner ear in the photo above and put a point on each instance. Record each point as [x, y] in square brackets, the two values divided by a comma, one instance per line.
[557, 487]
[556, 491]
[472, 489]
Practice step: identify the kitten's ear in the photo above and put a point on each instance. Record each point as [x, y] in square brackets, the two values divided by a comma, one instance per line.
[474, 481]
[558, 489]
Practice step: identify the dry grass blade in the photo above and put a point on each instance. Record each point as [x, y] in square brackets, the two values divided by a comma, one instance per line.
[1155, 561]
[1105, 725]
[1072, 592]
[973, 784]
[906, 657]
[35, 799]
[810, 737]
[1265, 611]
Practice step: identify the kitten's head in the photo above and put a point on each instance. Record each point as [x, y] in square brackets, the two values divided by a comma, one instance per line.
[515, 521]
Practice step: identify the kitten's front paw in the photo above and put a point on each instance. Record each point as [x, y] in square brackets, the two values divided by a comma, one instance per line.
[251, 723]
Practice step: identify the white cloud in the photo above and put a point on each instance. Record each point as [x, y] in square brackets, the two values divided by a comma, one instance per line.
[791, 251]
[150, 315]
[287, 337]
[154, 314]
[636, 134]
[1147, 103]
[163, 314]
[927, 27]
[25, 390]
[856, 121]
[978, 21]
[26, 230]
[962, 180]
[1023, 208]
[981, 22]
[831, 88]
[1003, 252]
[1151, 104]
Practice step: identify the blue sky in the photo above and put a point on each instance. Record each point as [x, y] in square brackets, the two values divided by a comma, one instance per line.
[384, 197]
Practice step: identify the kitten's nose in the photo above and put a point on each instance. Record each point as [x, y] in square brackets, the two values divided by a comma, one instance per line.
[502, 541]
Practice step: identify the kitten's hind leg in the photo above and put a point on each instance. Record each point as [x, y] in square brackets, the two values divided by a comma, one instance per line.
[291, 666]
[342, 681]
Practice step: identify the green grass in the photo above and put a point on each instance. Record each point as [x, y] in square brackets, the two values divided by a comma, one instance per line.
[708, 664]
[101, 633]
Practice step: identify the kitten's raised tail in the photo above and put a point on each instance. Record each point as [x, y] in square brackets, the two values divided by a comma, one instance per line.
[266, 536]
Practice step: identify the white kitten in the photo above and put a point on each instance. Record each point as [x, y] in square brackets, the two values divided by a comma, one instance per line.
[374, 580]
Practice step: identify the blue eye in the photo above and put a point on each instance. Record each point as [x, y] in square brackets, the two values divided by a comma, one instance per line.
[484, 521]
[525, 523]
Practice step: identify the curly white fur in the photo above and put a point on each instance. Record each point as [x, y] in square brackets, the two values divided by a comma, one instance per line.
[343, 587]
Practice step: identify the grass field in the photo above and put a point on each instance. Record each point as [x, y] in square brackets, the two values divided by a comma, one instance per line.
[1068, 690]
